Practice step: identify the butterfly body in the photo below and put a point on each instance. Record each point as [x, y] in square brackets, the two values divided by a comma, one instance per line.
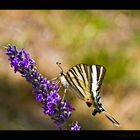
[85, 81]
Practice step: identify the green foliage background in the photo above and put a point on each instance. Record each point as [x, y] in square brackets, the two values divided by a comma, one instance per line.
[110, 38]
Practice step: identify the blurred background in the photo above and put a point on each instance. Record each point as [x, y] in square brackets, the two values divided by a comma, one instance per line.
[110, 38]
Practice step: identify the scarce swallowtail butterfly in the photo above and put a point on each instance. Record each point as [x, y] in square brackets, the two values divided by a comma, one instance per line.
[85, 81]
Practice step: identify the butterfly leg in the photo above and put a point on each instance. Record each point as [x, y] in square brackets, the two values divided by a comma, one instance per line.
[59, 86]
[64, 94]
[56, 79]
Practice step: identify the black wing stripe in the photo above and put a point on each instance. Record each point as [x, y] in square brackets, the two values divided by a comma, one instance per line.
[68, 73]
[76, 78]
[91, 80]
[89, 74]
[86, 72]
[81, 86]
[79, 71]
[68, 80]
[98, 68]
[73, 69]
[101, 77]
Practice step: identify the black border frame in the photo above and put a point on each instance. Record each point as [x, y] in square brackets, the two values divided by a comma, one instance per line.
[69, 4]
[68, 135]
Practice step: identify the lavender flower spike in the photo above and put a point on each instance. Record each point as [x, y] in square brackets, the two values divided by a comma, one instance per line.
[45, 91]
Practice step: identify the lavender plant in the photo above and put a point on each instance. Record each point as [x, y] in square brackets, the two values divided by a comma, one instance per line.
[46, 92]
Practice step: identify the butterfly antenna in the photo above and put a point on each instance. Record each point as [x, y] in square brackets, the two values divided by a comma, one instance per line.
[59, 65]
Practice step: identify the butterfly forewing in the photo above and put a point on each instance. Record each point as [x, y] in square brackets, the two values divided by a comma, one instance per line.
[77, 84]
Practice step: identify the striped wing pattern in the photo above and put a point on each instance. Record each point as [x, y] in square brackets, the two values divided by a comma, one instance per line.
[85, 80]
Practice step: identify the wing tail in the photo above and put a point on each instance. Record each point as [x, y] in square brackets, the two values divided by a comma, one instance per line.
[111, 118]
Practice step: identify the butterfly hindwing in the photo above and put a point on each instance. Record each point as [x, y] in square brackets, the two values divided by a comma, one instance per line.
[97, 76]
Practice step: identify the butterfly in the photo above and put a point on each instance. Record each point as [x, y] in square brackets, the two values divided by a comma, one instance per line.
[85, 81]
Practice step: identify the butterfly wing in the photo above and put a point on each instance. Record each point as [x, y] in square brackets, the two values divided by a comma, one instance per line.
[78, 81]
[85, 80]
[97, 76]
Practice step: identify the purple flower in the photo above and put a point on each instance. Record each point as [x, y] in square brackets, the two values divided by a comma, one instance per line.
[20, 60]
[58, 109]
[45, 91]
[75, 126]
